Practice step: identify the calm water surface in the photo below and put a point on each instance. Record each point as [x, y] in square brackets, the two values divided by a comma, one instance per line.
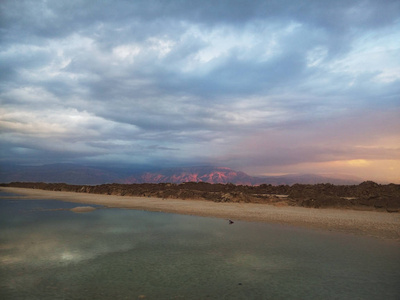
[47, 253]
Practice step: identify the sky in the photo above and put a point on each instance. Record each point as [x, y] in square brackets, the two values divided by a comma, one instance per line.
[265, 87]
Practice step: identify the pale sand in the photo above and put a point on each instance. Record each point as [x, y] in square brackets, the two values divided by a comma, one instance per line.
[377, 224]
[82, 209]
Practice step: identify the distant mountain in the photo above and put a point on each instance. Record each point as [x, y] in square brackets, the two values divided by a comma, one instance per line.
[67, 173]
[195, 174]
[77, 174]
[226, 175]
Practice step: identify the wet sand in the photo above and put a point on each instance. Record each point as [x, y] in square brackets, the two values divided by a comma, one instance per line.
[376, 224]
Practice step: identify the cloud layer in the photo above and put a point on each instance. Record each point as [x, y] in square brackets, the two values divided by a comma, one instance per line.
[264, 86]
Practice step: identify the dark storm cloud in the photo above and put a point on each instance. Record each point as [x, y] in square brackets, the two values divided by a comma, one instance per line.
[241, 82]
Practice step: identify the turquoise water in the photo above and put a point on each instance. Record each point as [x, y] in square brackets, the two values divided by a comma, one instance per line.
[126, 254]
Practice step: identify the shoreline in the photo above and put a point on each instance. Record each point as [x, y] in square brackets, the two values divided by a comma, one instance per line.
[381, 225]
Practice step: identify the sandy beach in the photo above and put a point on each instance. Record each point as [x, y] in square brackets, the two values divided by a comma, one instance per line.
[376, 224]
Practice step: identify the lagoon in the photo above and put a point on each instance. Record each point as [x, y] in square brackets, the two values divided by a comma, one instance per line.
[50, 252]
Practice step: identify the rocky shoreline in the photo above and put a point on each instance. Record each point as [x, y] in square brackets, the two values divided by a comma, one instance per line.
[365, 196]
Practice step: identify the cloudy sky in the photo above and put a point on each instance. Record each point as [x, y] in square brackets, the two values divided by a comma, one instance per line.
[266, 87]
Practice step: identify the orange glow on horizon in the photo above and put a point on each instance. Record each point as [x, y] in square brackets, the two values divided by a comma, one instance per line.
[358, 162]
[383, 171]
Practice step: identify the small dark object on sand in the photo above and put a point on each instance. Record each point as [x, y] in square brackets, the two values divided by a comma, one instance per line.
[230, 221]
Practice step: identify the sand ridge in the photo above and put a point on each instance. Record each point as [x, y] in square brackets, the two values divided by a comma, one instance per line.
[377, 224]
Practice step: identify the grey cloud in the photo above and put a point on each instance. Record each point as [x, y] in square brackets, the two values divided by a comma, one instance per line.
[192, 81]
[60, 18]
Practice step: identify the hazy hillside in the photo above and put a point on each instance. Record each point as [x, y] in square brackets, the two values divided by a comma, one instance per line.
[68, 173]
[309, 179]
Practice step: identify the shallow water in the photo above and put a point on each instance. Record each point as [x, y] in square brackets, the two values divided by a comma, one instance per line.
[128, 254]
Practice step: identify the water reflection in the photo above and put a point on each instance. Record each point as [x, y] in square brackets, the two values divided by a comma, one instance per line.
[117, 253]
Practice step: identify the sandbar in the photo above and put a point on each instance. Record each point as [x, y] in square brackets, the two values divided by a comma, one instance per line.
[382, 225]
[83, 209]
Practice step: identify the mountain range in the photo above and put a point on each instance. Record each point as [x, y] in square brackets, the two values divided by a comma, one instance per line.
[77, 174]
